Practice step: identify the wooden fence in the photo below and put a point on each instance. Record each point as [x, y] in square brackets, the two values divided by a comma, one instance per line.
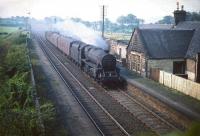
[183, 85]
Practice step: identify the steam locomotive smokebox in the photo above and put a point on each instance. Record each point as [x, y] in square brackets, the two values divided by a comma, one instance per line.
[101, 58]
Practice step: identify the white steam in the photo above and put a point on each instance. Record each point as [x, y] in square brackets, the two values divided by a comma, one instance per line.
[80, 32]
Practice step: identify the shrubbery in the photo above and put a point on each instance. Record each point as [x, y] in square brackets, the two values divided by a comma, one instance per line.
[18, 115]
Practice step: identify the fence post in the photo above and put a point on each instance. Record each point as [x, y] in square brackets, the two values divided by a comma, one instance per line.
[171, 79]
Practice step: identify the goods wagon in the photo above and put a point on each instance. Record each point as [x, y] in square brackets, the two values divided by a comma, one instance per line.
[64, 44]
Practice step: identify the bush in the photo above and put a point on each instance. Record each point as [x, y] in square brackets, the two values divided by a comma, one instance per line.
[21, 39]
[18, 115]
[16, 60]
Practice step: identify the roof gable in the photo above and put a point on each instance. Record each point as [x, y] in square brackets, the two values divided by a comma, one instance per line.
[165, 43]
[135, 43]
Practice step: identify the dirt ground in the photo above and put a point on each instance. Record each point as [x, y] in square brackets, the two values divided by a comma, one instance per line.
[70, 114]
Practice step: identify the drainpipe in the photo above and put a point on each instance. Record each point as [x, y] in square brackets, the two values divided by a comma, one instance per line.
[197, 67]
[195, 70]
[146, 67]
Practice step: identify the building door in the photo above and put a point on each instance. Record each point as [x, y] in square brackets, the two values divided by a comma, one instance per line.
[179, 67]
[154, 74]
[120, 53]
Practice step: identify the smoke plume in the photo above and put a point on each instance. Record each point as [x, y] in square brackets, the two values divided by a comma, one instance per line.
[80, 32]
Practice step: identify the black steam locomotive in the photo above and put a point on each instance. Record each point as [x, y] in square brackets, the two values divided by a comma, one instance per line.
[93, 60]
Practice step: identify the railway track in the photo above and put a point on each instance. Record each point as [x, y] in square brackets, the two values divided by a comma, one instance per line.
[102, 120]
[143, 113]
[110, 111]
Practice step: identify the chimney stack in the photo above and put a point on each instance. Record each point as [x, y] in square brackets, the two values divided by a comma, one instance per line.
[177, 3]
[179, 15]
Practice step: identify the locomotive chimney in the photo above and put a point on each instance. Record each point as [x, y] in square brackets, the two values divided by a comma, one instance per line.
[182, 7]
[179, 15]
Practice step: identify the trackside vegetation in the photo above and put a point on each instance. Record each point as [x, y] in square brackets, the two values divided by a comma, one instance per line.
[18, 115]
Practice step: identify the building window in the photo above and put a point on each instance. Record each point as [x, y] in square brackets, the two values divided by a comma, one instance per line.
[135, 63]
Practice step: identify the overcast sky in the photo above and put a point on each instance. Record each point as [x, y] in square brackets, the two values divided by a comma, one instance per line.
[149, 10]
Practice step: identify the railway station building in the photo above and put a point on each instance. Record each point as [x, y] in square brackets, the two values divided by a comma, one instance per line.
[118, 49]
[171, 48]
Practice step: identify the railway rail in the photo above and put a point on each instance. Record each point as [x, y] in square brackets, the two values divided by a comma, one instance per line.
[112, 112]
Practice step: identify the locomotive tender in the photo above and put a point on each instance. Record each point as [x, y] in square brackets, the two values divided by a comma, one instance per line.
[93, 60]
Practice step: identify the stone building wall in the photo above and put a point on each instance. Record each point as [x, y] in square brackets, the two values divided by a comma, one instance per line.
[118, 49]
[190, 69]
[163, 64]
[136, 62]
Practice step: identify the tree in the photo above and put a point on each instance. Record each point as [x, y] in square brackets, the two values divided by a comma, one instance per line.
[76, 19]
[124, 24]
[127, 23]
[190, 16]
[53, 19]
[166, 20]
[193, 16]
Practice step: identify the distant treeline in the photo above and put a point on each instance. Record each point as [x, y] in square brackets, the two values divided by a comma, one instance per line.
[123, 24]
[13, 21]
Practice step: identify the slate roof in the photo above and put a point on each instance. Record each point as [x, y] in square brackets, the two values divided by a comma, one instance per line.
[194, 46]
[165, 43]
[125, 42]
[156, 26]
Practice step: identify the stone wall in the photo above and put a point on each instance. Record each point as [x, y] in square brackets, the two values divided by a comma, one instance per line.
[163, 64]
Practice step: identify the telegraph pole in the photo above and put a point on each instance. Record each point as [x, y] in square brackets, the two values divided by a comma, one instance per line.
[103, 13]
[103, 18]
